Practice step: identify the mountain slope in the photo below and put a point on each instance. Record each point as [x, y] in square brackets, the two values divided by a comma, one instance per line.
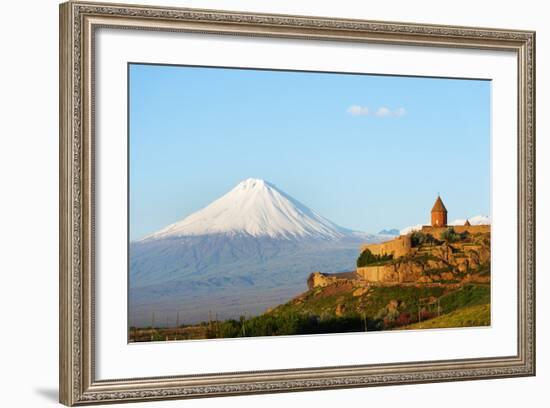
[248, 250]
[257, 208]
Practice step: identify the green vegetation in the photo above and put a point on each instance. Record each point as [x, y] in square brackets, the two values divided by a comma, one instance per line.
[156, 336]
[471, 316]
[379, 308]
[468, 295]
[320, 302]
[419, 238]
[287, 323]
[450, 235]
[368, 258]
[484, 269]
[408, 297]
[442, 283]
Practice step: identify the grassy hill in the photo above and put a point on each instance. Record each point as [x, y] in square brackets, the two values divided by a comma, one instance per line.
[451, 288]
[344, 308]
[471, 316]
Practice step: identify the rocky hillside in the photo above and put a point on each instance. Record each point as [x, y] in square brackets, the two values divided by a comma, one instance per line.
[442, 281]
[458, 258]
[439, 283]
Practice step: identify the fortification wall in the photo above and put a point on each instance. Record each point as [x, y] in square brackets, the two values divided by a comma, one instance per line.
[397, 247]
[392, 273]
[318, 279]
[375, 273]
[472, 229]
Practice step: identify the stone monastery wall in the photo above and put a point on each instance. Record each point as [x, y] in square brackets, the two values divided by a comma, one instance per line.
[472, 229]
[397, 247]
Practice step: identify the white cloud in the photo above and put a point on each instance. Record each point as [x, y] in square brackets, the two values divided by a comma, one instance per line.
[357, 110]
[383, 111]
[400, 112]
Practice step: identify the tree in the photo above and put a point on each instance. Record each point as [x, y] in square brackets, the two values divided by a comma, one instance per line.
[367, 258]
[450, 235]
[419, 238]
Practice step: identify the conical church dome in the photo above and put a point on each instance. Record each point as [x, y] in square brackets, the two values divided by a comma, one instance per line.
[439, 206]
[439, 213]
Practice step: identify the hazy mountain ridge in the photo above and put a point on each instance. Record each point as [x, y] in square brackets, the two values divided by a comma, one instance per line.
[254, 242]
[212, 255]
[389, 231]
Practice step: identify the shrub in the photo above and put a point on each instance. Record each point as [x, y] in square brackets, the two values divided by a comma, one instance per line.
[450, 235]
[157, 336]
[291, 323]
[403, 319]
[419, 238]
[426, 314]
[367, 258]
[230, 328]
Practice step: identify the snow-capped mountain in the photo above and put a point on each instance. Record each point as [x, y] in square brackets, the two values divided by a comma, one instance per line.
[476, 220]
[248, 250]
[410, 228]
[390, 231]
[256, 208]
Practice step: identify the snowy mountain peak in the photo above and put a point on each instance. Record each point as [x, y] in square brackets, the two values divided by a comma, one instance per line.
[255, 207]
[252, 183]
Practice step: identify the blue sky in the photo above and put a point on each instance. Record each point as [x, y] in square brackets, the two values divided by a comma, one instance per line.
[367, 152]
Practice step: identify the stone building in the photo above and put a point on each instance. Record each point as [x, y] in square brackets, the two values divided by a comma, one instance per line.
[439, 222]
[401, 246]
[439, 213]
[397, 247]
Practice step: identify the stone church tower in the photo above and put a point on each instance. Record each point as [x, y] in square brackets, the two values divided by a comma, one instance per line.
[439, 214]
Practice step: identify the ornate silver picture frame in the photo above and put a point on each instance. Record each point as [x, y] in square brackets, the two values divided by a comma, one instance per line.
[79, 22]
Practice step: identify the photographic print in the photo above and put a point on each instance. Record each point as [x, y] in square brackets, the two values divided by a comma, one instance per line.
[271, 202]
[241, 192]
